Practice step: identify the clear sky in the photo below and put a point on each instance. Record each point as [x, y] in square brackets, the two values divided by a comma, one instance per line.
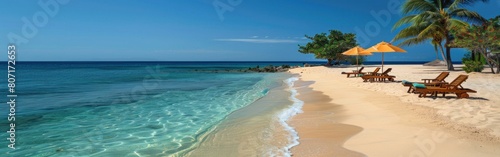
[196, 30]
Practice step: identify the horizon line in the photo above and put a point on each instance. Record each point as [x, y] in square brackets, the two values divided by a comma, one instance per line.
[214, 61]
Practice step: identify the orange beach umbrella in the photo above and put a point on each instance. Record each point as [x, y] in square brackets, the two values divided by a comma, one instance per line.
[356, 51]
[384, 47]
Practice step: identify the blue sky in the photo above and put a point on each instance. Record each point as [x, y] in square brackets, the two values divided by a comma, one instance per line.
[181, 30]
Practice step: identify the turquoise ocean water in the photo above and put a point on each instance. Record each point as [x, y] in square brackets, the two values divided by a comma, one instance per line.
[125, 108]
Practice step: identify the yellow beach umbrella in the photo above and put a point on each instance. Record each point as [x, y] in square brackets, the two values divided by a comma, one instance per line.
[384, 47]
[356, 51]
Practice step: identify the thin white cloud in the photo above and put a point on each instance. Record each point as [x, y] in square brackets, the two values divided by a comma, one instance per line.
[266, 37]
[191, 51]
[259, 40]
[254, 37]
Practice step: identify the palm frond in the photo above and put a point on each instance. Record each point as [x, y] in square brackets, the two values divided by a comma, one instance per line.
[412, 41]
[418, 6]
[413, 35]
[469, 16]
[405, 20]
[408, 32]
[426, 17]
[430, 31]
[457, 24]
[460, 3]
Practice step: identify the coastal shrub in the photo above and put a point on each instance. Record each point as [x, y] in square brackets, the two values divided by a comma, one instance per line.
[467, 57]
[473, 66]
[470, 57]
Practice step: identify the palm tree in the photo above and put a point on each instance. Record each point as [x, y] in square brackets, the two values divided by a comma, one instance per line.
[412, 36]
[436, 45]
[431, 19]
[437, 42]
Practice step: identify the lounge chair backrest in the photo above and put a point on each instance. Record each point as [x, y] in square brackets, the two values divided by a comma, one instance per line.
[361, 69]
[376, 70]
[457, 82]
[386, 72]
[442, 76]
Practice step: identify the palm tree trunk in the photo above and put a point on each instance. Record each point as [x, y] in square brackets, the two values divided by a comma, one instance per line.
[448, 52]
[448, 59]
[437, 51]
[496, 62]
[483, 52]
[498, 65]
[442, 52]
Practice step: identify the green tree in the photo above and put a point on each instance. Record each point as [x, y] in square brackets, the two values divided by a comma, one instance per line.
[431, 19]
[481, 38]
[329, 46]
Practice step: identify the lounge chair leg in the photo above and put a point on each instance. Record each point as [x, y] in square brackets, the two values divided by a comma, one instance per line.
[434, 94]
[409, 89]
[422, 94]
[462, 95]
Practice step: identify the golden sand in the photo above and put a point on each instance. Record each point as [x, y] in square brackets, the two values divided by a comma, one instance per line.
[346, 117]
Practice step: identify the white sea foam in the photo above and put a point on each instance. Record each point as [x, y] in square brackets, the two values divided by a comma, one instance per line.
[290, 112]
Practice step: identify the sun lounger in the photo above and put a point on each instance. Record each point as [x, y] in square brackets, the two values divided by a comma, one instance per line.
[438, 81]
[375, 72]
[379, 77]
[454, 87]
[355, 73]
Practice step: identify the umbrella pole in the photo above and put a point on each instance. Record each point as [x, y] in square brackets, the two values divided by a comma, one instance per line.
[382, 62]
[357, 65]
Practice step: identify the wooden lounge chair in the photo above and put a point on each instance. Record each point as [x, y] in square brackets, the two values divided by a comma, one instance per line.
[375, 72]
[355, 73]
[454, 87]
[379, 77]
[438, 81]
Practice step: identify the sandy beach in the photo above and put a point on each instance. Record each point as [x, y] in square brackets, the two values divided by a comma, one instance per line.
[348, 117]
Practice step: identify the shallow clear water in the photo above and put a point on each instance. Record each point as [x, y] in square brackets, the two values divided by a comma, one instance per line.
[124, 109]
[258, 129]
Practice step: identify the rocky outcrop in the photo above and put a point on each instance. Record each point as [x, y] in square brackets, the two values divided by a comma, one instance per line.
[266, 69]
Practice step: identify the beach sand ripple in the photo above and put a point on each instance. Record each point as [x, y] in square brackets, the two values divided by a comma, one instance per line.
[397, 123]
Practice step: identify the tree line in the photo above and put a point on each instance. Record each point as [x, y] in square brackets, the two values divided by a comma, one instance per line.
[445, 24]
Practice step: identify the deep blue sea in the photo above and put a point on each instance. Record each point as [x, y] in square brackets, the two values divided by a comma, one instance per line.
[124, 108]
